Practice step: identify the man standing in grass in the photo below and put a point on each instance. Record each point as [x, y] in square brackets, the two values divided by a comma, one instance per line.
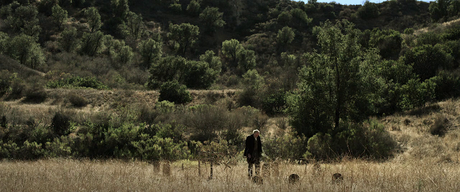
[253, 151]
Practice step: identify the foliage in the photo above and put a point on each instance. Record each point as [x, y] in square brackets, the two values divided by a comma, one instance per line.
[211, 19]
[24, 19]
[339, 84]
[231, 48]
[59, 16]
[387, 41]
[24, 49]
[174, 92]
[150, 50]
[133, 26]
[284, 37]
[427, 60]
[183, 36]
[69, 40]
[76, 81]
[94, 18]
[368, 11]
[92, 44]
[357, 140]
[287, 146]
[193, 8]
[77, 100]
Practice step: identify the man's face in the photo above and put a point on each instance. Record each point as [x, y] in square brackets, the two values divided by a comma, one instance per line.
[256, 134]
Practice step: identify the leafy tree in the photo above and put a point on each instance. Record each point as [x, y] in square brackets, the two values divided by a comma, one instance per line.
[246, 60]
[94, 19]
[59, 16]
[120, 53]
[284, 37]
[212, 19]
[69, 40]
[284, 18]
[92, 43]
[199, 75]
[387, 41]
[300, 19]
[416, 93]
[427, 60]
[183, 36]
[340, 84]
[120, 8]
[150, 51]
[133, 26]
[231, 48]
[439, 9]
[170, 68]
[26, 50]
[213, 61]
[24, 19]
[174, 92]
[194, 8]
[368, 11]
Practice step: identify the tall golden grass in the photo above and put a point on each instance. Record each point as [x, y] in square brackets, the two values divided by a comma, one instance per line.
[112, 175]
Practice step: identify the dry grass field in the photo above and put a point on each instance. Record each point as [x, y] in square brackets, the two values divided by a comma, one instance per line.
[73, 175]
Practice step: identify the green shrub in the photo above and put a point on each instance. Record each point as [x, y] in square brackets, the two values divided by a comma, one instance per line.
[368, 11]
[174, 92]
[287, 146]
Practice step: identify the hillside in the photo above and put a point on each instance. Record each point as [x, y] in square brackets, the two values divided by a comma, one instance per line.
[176, 79]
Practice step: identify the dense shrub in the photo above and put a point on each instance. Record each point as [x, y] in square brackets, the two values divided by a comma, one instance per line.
[287, 146]
[35, 95]
[174, 92]
[60, 123]
[77, 100]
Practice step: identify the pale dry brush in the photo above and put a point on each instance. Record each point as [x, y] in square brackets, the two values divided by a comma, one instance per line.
[114, 175]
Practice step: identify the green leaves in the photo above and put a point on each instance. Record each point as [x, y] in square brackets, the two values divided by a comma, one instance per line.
[182, 36]
[212, 19]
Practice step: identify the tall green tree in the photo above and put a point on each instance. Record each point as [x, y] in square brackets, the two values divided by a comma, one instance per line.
[133, 27]
[284, 37]
[231, 48]
[212, 19]
[69, 40]
[59, 16]
[150, 51]
[183, 36]
[193, 8]
[213, 61]
[23, 19]
[94, 18]
[92, 43]
[339, 84]
[26, 50]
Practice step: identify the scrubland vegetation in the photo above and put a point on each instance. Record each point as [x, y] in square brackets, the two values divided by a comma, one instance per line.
[95, 93]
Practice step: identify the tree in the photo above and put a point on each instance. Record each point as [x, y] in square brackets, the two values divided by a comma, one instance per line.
[170, 68]
[387, 41]
[183, 36]
[193, 8]
[212, 19]
[339, 84]
[92, 43]
[213, 61]
[59, 16]
[150, 51]
[284, 37]
[120, 8]
[24, 19]
[246, 60]
[26, 50]
[199, 75]
[133, 26]
[230, 49]
[299, 18]
[69, 40]
[120, 53]
[94, 19]
[368, 11]
[426, 60]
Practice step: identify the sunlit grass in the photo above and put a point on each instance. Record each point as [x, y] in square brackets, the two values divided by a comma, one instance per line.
[74, 175]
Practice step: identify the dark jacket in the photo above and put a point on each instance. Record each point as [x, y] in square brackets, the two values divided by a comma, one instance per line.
[250, 140]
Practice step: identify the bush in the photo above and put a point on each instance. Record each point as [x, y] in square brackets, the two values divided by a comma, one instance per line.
[60, 123]
[440, 126]
[368, 140]
[287, 146]
[174, 92]
[368, 11]
[77, 100]
[35, 95]
[76, 81]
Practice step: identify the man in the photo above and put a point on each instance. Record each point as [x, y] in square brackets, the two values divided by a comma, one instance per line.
[253, 151]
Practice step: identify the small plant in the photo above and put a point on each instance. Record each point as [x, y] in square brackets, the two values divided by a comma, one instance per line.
[440, 126]
[60, 123]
